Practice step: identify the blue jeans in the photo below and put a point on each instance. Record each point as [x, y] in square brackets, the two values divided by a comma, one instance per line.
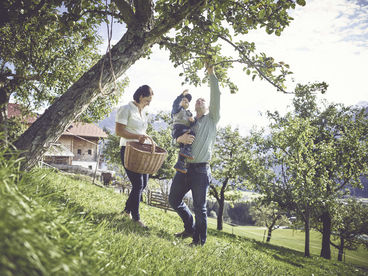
[197, 179]
[139, 182]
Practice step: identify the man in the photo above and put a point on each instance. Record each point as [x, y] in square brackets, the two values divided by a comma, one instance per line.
[197, 178]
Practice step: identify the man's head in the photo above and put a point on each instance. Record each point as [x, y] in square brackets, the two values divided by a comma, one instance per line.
[200, 107]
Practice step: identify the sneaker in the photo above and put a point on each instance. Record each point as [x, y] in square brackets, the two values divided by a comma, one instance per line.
[186, 152]
[126, 214]
[183, 235]
[180, 167]
[140, 223]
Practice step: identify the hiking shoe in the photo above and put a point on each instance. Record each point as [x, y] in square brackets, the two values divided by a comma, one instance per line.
[183, 235]
[186, 152]
[180, 167]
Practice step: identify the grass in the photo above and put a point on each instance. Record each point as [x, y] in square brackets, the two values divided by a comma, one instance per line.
[294, 239]
[52, 224]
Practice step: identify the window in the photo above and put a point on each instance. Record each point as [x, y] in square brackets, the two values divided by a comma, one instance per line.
[90, 167]
[90, 152]
[79, 151]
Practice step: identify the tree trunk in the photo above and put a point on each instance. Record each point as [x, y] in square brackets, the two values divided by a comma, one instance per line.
[307, 233]
[220, 214]
[4, 100]
[341, 249]
[269, 234]
[48, 128]
[326, 235]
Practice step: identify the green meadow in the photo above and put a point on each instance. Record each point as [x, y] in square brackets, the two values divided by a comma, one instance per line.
[55, 224]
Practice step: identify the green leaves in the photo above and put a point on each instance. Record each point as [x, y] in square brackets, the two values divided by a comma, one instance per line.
[205, 36]
[301, 2]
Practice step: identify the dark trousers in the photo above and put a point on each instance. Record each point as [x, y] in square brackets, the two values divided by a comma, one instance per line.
[197, 179]
[139, 182]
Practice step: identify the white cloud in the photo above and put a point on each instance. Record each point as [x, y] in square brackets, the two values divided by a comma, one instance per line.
[326, 41]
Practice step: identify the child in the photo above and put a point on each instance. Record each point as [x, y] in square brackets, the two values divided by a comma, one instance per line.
[182, 120]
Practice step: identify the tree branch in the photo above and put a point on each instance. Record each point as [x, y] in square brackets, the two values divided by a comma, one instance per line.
[126, 12]
[253, 65]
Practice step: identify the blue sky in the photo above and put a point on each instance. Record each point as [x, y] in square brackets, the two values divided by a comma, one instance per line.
[327, 41]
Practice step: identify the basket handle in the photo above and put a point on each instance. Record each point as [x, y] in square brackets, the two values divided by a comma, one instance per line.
[153, 144]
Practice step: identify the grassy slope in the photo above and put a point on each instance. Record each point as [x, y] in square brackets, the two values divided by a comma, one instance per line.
[85, 234]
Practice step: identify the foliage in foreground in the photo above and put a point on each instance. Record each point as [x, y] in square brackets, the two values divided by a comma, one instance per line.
[55, 224]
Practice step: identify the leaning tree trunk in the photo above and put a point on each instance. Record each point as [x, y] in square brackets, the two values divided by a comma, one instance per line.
[141, 35]
[326, 235]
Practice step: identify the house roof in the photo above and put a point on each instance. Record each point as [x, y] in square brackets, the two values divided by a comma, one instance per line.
[15, 110]
[58, 150]
[86, 130]
[77, 128]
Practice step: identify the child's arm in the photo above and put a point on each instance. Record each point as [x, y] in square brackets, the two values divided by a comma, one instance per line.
[176, 105]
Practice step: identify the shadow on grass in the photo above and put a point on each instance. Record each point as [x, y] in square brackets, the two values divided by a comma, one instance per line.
[278, 252]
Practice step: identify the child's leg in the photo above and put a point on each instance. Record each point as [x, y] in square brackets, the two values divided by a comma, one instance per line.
[181, 164]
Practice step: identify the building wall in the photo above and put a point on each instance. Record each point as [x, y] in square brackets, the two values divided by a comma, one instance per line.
[58, 160]
[84, 150]
[85, 164]
[66, 141]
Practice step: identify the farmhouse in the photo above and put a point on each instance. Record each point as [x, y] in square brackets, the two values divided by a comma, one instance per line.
[77, 146]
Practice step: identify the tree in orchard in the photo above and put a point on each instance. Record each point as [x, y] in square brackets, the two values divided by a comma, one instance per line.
[334, 151]
[343, 160]
[342, 146]
[350, 224]
[269, 215]
[292, 154]
[228, 154]
[191, 30]
[43, 50]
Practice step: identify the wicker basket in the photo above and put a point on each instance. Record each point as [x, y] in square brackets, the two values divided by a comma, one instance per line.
[144, 158]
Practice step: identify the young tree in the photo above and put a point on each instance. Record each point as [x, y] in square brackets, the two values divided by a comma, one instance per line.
[189, 29]
[229, 152]
[269, 215]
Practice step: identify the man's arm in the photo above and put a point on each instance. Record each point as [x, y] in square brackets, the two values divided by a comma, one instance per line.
[214, 108]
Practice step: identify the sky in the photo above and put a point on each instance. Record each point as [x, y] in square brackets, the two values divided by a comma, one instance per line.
[326, 41]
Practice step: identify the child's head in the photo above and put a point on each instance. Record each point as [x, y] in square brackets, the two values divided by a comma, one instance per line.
[185, 101]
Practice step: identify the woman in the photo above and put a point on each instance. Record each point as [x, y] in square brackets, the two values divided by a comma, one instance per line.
[131, 124]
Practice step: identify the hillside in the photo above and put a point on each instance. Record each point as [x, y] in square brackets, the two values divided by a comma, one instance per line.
[64, 225]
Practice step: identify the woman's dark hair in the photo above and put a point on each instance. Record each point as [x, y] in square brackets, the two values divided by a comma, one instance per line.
[144, 91]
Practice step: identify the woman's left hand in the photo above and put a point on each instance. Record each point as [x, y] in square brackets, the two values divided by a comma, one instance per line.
[142, 138]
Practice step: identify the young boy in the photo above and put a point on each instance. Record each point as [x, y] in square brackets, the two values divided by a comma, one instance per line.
[182, 120]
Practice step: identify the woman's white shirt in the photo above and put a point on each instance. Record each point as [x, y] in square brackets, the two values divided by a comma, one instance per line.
[135, 122]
